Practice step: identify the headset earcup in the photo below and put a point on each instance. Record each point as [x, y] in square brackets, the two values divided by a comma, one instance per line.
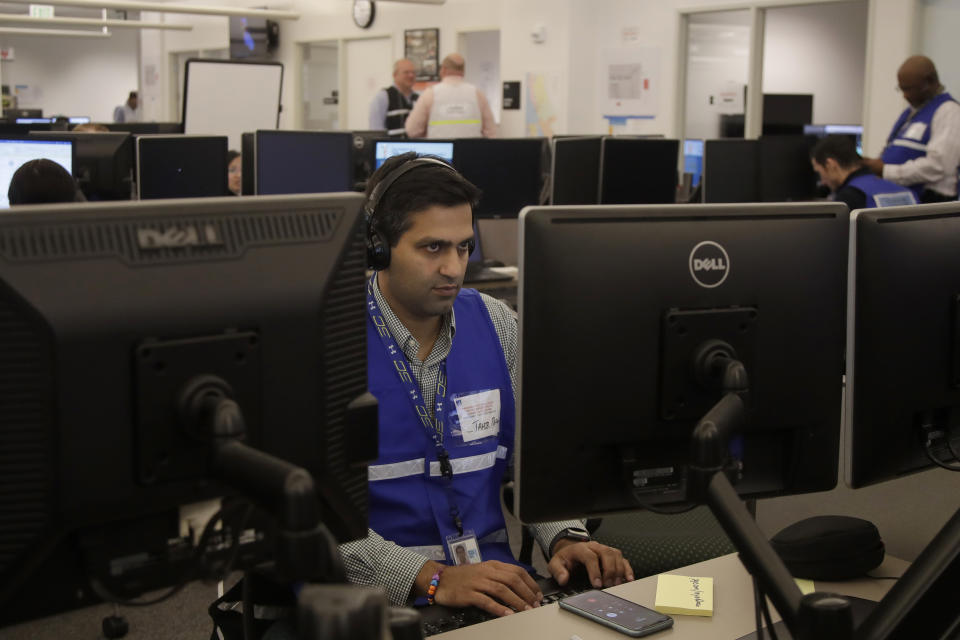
[378, 251]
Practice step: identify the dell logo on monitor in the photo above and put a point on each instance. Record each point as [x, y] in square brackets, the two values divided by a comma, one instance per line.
[709, 264]
[176, 237]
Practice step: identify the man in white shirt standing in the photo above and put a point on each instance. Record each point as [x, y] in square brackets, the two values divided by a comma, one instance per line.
[923, 150]
[130, 111]
[453, 108]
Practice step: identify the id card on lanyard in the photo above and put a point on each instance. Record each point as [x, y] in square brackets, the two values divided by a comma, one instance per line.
[432, 425]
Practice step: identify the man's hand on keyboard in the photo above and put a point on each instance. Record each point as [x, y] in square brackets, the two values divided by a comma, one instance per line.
[489, 585]
[605, 565]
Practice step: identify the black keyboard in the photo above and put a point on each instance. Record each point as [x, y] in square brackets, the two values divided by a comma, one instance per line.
[439, 619]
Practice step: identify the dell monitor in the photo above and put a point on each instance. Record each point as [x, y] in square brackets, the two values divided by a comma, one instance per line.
[118, 319]
[364, 150]
[181, 166]
[903, 390]
[693, 159]
[302, 162]
[854, 131]
[508, 171]
[903, 371]
[616, 304]
[638, 171]
[576, 170]
[104, 162]
[786, 113]
[785, 170]
[146, 128]
[15, 152]
[384, 149]
[22, 113]
[731, 171]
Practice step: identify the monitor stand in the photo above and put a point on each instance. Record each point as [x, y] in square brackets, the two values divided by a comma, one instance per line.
[808, 617]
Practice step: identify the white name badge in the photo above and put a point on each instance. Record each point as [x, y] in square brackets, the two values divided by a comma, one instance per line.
[479, 414]
[915, 131]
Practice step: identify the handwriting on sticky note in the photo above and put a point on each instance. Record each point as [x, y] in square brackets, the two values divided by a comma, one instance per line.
[806, 586]
[684, 595]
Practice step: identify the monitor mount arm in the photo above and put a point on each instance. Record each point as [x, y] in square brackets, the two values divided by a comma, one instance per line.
[811, 617]
[306, 550]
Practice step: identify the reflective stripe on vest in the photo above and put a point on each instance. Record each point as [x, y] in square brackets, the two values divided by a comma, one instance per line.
[455, 112]
[440, 122]
[910, 145]
[398, 108]
[416, 467]
[880, 192]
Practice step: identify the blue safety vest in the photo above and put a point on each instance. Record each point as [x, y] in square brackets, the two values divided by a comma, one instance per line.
[910, 135]
[882, 193]
[409, 501]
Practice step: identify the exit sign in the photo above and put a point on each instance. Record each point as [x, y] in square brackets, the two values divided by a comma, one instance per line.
[41, 11]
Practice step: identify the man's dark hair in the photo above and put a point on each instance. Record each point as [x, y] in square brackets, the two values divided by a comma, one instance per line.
[841, 148]
[42, 181]
[232, 155]
[416, 190]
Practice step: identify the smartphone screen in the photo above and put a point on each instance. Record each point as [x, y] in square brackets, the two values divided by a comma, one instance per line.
[624, 616]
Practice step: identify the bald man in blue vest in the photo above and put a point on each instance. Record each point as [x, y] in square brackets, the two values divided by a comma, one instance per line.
[442, 363]
[923, 149]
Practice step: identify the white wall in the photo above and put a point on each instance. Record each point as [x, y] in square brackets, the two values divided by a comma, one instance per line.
[482, 49]
[891, 38]
[939, 26]
[75, 76]
[821, 50]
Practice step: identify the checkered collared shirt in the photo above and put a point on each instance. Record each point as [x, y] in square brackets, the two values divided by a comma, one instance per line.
[375, 560]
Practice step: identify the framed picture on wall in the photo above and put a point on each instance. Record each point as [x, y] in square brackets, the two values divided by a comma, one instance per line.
[421, 46]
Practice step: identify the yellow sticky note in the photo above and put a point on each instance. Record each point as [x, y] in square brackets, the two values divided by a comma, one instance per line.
[684, 595]
[806, 586]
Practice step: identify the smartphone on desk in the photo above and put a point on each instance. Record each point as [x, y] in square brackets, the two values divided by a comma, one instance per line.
[624, 616]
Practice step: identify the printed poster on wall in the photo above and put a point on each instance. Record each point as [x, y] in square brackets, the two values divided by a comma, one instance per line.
[544, 100]
[631, 77]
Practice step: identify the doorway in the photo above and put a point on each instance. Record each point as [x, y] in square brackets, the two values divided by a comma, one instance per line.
[320, 79]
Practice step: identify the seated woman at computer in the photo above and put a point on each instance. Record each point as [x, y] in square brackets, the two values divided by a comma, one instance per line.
[234, 172]
[442, 364]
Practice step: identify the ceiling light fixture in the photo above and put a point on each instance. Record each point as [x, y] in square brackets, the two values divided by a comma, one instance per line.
[66, 33]
[163, 7]
[94, 22]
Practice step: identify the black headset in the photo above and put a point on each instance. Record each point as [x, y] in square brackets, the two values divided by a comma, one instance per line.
[378, 250]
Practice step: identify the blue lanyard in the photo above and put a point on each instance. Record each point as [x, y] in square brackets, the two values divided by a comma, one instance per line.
[433, 426]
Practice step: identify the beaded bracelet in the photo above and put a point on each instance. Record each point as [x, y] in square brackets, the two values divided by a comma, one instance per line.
[432, 589]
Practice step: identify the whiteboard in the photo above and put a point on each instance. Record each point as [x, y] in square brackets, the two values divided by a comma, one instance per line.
[228, 98]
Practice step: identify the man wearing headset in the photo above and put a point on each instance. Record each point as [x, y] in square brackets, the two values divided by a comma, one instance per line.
[442, 363]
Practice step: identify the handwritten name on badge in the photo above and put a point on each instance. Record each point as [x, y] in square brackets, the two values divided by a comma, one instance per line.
[479, 414]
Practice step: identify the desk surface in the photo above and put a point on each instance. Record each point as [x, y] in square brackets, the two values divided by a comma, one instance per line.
[733, 614]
